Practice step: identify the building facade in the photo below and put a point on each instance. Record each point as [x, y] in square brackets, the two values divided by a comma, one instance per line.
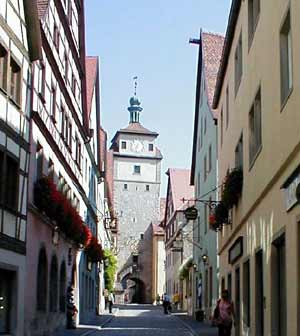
[258, 92]
[19, 47]
[179, 237]
[204, 174]
[64, 156]
[136, 190]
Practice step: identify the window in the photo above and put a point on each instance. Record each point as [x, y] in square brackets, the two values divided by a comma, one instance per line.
[210, 286]
[286, 71]
[3, 68]
[151, 147]
[69, 140]
[56, 37]
[205, 218]
[229, 285]
[238, 63]
[53, 285]
[78, 151]
[205, 125]
[137, 170]
[15, 81]
[246, 293]
[147, 187]
[125, 186]
[39, 161]
[70, 12]
[42, 281]
[66, 66]
[255, 137]
[42, 80]
[237, 299]
[11, 187]
[239, 154]
[221, 127]
[201, 132]
[227, 107]
[204, 168]
[53, 102]
[253, 15]
[63, 116]
[51, 169]
[209, 159]
[123, 145]
[198, 185]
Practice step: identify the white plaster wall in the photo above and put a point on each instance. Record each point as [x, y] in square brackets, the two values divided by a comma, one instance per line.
[124, 169]
[161, 272]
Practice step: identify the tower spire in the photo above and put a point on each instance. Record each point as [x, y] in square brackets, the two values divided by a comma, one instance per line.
[135, 109]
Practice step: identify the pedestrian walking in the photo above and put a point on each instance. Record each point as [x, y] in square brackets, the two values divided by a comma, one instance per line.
[176, 300]
[224, 314]
[111, 301]
[166, 303]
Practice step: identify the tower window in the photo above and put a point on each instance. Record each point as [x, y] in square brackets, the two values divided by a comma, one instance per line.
[151, 147]
[123, 144]
[125, 186]
[137, 169]
[147, 187]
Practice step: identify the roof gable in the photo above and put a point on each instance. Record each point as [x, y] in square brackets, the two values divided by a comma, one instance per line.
[91, 65]
[212, 46]
[180, 186]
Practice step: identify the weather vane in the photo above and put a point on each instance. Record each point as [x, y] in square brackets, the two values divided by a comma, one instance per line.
[135, 84]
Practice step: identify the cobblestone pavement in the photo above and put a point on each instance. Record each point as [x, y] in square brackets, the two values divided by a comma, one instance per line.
[143, 321]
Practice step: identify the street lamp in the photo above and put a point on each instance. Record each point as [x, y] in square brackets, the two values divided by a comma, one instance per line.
[205, 259]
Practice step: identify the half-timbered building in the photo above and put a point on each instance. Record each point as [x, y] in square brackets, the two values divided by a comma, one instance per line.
[19, 46]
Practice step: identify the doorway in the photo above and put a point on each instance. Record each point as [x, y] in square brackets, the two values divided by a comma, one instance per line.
[6, 281]
[259, 293]
[237, 300]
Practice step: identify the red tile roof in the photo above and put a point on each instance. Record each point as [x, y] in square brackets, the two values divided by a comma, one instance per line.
[137, 128]
[91, 70]
[212, 47]
[157, 229]
[42, 6]
[180, 186]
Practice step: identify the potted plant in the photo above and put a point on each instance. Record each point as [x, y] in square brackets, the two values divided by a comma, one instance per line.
[233, 186]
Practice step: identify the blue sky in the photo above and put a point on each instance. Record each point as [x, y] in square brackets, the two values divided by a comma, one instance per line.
[149, 39]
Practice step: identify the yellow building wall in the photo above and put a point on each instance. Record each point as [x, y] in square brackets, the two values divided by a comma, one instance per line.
[261, 214]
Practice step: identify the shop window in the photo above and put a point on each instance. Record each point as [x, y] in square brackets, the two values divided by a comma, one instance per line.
[15, 81]
[255, 129]
[210, 286]
[42, 281]
[238, 63]
[62, 288]
[253, 15]
[286, 69]
[53, 287]
[3, 67]
[237, 300]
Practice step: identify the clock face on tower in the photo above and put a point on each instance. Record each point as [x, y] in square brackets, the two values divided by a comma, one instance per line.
[137, 146]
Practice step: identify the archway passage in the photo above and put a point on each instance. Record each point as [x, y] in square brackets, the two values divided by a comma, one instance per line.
[134, 289]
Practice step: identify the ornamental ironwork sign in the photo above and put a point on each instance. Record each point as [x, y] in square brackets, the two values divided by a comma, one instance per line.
[191, 213]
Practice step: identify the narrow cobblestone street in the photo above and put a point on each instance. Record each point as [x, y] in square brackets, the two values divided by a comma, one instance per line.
[144, 320]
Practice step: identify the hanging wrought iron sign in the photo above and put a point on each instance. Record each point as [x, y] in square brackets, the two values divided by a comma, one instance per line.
[191, 213]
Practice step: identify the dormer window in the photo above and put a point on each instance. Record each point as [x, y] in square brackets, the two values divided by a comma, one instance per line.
[151, 147]
[123, 144]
